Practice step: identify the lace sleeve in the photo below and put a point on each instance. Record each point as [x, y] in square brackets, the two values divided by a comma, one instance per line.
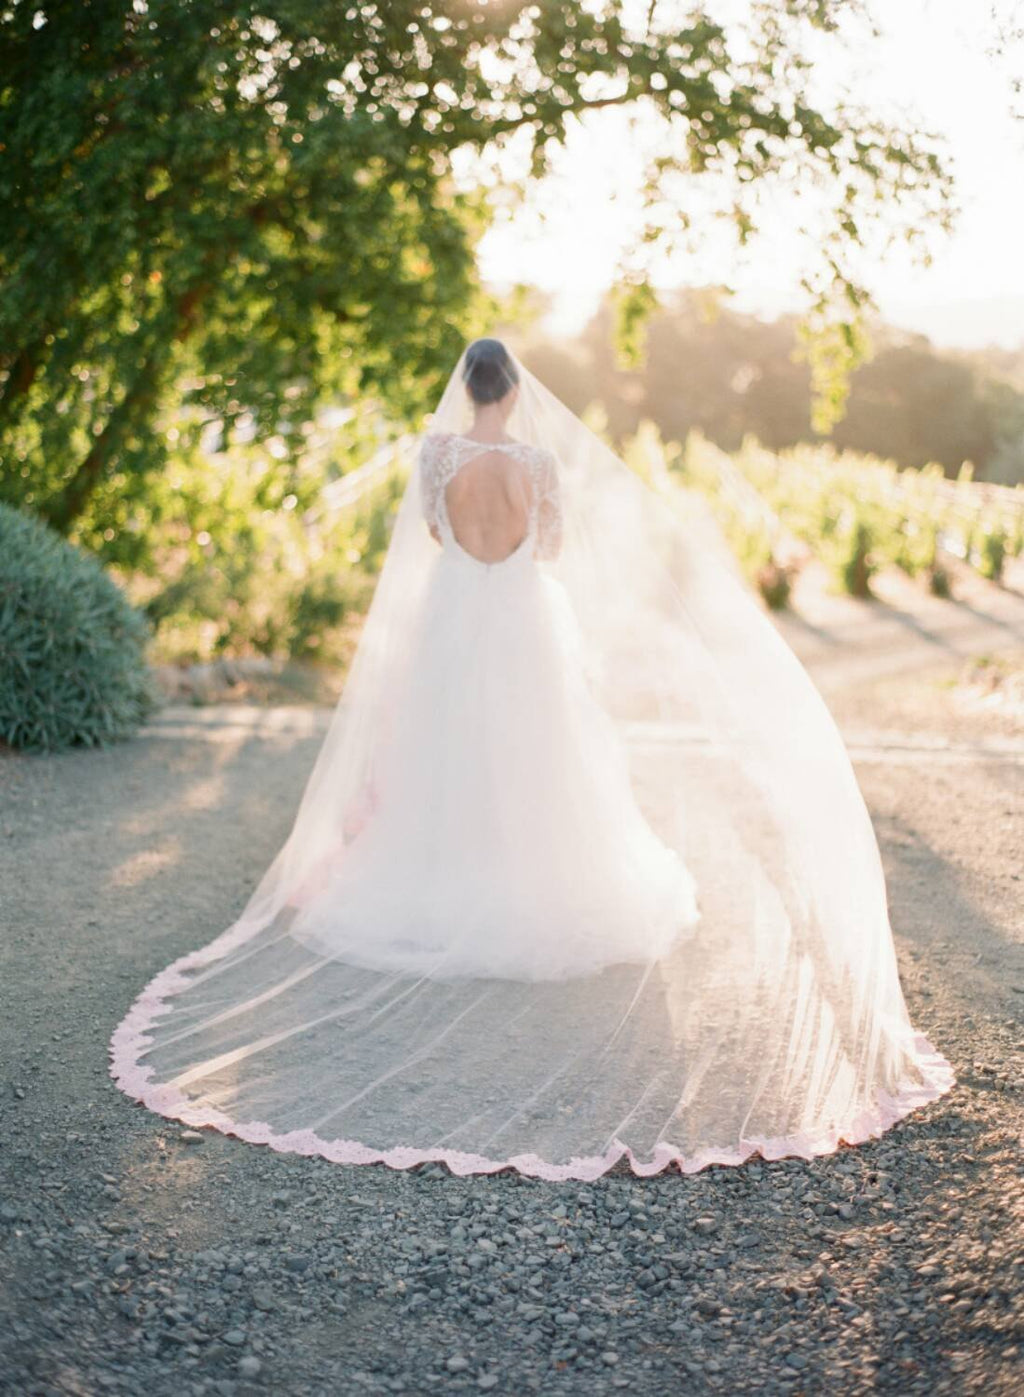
[548, 507]
[432, 482]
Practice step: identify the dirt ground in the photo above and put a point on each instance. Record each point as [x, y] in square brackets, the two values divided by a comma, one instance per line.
[132, 1261]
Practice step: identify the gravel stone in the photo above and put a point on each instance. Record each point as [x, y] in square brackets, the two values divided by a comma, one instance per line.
[133, 1266]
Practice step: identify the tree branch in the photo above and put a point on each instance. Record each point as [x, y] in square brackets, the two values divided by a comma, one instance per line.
[20, 377]
[68, 505]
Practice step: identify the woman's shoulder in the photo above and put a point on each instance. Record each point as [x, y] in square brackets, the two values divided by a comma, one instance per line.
[543, 458]
[432, 440]
[439, 445]
[436, 446]
[533, 451]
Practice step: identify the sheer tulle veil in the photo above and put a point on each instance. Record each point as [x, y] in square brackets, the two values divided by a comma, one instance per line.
[777, 1026]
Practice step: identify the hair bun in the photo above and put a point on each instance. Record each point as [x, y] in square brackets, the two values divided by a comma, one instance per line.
[489, 371]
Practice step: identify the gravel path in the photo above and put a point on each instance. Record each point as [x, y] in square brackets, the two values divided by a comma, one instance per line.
[135, 1258]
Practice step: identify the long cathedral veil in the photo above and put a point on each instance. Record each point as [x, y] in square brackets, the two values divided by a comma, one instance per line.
[777, 1027]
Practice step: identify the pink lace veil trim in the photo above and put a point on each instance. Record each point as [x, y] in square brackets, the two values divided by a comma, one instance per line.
[133, 1076]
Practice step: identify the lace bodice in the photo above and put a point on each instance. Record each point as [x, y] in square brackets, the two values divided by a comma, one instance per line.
[442, 456]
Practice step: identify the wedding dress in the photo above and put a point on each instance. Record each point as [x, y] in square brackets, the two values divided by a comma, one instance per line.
[582, 872]
[505, 838]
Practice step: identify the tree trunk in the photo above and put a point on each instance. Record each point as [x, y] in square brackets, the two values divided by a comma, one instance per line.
[141, 394]
[62, 512]
[20, 377]
[137, 401]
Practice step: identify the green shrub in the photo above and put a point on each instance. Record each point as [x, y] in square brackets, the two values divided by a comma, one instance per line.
[72, 666]
[992, 553]
[906, 514]
[775, 583]
[912, 545]
[938, 581]
[235, 553]
[748, 532]
[1015, 539]
[854, 563]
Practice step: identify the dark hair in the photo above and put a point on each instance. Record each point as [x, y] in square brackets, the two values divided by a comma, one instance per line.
[489, 371]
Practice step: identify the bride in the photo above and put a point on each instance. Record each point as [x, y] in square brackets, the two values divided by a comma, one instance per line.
[505, 838]
[567, 724]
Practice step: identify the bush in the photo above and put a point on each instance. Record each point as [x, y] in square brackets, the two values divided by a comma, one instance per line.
[938, 581]
[992, 553]
[854, 562]
[748, 530]
[775, 583]
[234, 553]
[271, 585]
[904, 518]
[72, 666]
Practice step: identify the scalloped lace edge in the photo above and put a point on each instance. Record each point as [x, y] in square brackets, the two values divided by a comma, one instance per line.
[131, 1038]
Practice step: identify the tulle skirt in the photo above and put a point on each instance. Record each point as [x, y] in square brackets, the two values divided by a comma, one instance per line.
[500, 836]
[478, 943]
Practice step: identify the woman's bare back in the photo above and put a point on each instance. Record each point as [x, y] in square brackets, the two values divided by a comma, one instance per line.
[488, 505]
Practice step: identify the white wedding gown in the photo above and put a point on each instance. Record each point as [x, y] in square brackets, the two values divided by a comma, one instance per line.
[501, 836]
[479, 943]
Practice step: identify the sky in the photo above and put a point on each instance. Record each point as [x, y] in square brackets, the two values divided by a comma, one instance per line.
[930, 68]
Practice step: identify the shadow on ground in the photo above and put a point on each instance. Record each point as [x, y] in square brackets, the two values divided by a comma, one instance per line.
[132, 1261]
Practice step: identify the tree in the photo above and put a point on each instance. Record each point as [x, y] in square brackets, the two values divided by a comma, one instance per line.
[242, 212]
[915, 405]
[729, 376]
